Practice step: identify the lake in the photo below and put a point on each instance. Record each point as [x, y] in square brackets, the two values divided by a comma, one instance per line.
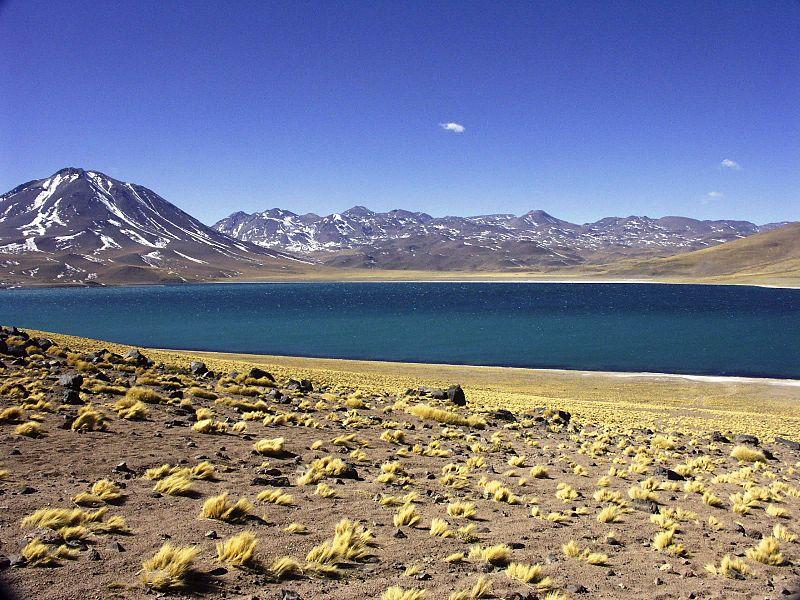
[692, 329]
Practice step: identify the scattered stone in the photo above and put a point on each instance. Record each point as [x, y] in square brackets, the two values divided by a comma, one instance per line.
[71, 396]
[94, 554]
[198, 368]
[290, 595]
[745, 438]
[212, 535]
[792, 445]
[668, 474]
[281, 481]
[218, 572]
[456, 395]
[717, 436]
[504, 415]
[256, 373]
[27, 490]
[399, 534]
[71, 382]
[17, 560]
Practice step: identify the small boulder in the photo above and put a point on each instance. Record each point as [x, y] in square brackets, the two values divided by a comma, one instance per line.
[137, 357]
[256, 373]
[717, 436]
[71, 397]
[745, 438]
[456, 395]
[502, 414]
[197, 367]
[792, 445]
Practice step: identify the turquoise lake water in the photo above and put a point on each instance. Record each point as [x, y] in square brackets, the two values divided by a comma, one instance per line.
[720, 330]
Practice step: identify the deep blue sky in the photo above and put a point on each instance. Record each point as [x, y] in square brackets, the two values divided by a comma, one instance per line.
[583, 109]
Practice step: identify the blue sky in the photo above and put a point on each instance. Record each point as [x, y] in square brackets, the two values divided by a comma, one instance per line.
[583, 109]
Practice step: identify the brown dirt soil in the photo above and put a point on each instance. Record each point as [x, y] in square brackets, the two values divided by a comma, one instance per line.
[592, 463]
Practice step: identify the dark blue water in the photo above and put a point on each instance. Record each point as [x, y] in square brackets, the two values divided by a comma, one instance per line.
[663, 328]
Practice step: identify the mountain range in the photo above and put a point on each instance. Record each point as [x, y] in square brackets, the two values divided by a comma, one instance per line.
[401, 239]
[83, 227]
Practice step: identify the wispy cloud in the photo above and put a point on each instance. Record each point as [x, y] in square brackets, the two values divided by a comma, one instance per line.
[727, 163]
[454, 127]
[715, 195]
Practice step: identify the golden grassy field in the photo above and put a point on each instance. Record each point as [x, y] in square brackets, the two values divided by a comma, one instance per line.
[762, 407]
[341, 479]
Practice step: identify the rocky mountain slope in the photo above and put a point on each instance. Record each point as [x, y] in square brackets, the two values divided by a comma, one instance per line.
[401, 239]
[84, 226]
[772, 256]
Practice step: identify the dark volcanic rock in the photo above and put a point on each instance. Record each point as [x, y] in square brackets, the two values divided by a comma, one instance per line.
[788, 443]
[256, 373]
[71, 396]
[198, 368]
[72, 382]
[456, 395]
[745, 438]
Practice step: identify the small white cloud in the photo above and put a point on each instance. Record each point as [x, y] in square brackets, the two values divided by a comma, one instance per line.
[715, 194]
[454, 127]
[730, 164]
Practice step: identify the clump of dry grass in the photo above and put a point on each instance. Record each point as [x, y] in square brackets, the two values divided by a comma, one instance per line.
[285, 567]
[89, 419]
[170, 568]
[210, 426]
[397, 593]
[482, 588]
[102, 491]
[29, 429]
[732, 567]
[130, 409]
[278, 497]
[238, 550]
[41, 555]
[222, 508]
[498, 555]
[13, 414]
[350, 542]
[176, 484]
[768, 552]
[270, 447]
[406, 516]
[748, 455]
[76, 520]
[440, 528]
[319, 469]
[203, 393]
[530, 574]
[464, 510]
[430, 413]
[143, 394]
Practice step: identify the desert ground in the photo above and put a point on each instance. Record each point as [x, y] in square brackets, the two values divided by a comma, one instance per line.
[131, 473]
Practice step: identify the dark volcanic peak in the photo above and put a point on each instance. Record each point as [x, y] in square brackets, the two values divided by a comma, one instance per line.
[79, 223]
[406, 239]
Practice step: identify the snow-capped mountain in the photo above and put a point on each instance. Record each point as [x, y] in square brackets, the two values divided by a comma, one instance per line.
[402, 239]
[82, 226]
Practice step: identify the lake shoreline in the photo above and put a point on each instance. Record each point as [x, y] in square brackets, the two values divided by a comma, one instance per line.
[499, 278]
[345, 362]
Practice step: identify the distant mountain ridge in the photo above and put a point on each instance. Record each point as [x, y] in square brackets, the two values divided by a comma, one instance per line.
[83, 227]
[78, 226]
[359, 237]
